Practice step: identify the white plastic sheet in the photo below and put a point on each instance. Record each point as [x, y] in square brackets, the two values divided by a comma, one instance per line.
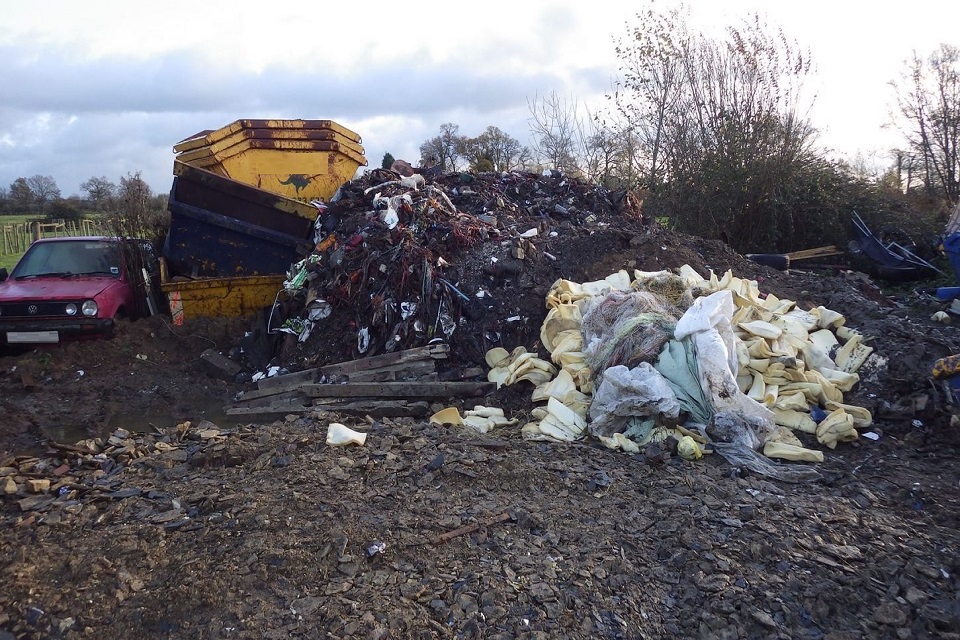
[708, 324]
[628, 393]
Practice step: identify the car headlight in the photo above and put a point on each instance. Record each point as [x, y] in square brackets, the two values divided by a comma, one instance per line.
[71, 309]
[89, 308]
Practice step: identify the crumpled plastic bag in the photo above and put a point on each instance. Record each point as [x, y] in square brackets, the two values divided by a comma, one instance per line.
[741, 456]
[714, 311]
[628, 393]
[737, 441]
[677, 363]
[708, 324]
[303, 327]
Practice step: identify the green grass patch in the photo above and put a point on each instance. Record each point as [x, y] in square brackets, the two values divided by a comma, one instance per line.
[20, 218]
[8, 261]
[18, 234]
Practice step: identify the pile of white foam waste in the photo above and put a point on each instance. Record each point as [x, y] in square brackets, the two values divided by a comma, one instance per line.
[710, 361]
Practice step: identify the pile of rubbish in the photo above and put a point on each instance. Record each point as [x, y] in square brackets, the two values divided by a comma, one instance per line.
[389, 252]
[707, 362]
[667, 359]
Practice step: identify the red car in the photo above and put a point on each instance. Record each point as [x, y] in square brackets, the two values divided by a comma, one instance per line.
[68, 288]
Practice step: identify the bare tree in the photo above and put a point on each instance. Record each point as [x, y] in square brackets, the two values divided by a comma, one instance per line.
[907, 169]
[601, 156]
[138, 212]
[495, 150]
[651, 91]
[928, 105]
[443, 150]
[557, 132]
[613, 153]
[99, 191]
[21, 194]
[719, 125]
[134, 195]
[867, 165]
[44, 189]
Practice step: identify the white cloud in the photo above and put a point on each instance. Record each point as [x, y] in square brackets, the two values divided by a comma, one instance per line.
[103, 88]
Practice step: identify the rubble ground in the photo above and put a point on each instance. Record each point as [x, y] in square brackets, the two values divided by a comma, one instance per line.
[179, 521]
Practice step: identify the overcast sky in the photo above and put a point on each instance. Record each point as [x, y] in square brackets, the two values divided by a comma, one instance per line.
[103, 88]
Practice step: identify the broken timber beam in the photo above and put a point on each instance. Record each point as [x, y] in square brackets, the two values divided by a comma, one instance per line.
[395, 372]
[378, 408]
[278, 397]
[280, 408]
[397, 389]
[409, 389]
[429, 352]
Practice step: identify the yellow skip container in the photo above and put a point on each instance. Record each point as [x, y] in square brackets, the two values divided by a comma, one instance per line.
[301, 159]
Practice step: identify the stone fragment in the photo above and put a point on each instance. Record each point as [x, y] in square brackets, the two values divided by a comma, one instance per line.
[764, 618]
[218, 365]
[890, 614]
[38, 485]
[915, 596]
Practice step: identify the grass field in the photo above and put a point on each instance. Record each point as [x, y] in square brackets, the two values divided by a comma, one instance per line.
[19, 219]
[7, 262]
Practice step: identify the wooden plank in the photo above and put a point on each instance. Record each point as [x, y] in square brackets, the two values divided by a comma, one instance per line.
[281, 395]
[397, 389]
[396, 372]
[290, 402]
[372, 408]
[268, 410]
[378, 408]
[288, 380]
[392, 376]
[257, 394]
[817, 252]
[430, 351]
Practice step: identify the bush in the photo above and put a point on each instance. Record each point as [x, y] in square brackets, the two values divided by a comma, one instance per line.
[67, 210]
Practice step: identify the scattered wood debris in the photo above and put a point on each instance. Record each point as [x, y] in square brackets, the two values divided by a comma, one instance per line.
[392, 384]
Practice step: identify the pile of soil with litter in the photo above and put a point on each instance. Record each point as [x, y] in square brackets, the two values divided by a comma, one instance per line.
[137, 507]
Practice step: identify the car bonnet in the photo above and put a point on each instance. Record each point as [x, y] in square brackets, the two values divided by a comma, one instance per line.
[54, 288]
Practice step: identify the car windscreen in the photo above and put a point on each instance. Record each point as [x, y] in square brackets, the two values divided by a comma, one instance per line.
[69, 258]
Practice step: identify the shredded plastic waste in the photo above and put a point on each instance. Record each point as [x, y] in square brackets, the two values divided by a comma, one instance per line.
[626, 329]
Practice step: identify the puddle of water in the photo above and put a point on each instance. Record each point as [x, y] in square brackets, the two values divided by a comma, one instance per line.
[139, 422]
[202, 408]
